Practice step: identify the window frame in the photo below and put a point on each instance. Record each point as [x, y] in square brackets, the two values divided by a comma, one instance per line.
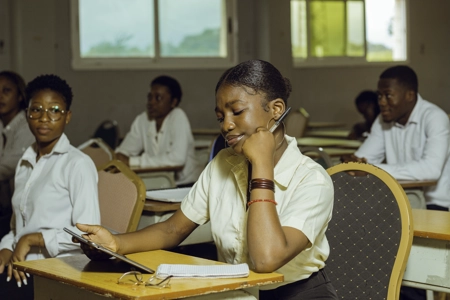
[347, 61]
[157, 62]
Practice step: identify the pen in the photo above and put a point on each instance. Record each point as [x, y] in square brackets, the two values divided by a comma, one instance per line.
[278, 122]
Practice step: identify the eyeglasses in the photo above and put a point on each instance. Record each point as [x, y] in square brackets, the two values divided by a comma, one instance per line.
[136, 278]
[54, 113]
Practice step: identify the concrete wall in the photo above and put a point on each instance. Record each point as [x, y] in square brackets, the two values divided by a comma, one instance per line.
[38, 41]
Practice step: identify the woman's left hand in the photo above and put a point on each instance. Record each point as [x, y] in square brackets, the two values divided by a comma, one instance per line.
[20, 252]
[260, 146]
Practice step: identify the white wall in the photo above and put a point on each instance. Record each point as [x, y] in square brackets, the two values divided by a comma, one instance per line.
[41, 44]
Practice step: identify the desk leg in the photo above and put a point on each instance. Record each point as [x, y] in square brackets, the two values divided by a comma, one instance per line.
[428, 265]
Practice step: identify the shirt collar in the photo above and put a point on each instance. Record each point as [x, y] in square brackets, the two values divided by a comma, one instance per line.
[62, 146]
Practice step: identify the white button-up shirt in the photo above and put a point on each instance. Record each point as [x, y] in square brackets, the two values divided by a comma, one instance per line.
[57, 191]
[419, 150]
[173, 145]
[304, 193]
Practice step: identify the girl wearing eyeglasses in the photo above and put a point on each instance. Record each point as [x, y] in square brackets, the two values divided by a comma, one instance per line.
[55, 187]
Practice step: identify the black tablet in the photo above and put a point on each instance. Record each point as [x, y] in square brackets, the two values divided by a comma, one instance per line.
[113, 254]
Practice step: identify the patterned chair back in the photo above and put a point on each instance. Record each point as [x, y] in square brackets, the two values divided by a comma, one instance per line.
[370, 233]
[121, 195]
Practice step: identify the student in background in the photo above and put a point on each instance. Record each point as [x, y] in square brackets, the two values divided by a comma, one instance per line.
[15, 138]
[162, 136]
[277, 222]
[410, 140]
[367, 104]
[55, 187]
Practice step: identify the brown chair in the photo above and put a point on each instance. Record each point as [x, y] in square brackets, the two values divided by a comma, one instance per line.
[370, 233]
[297, 122]
[121, 196]
[98, 151]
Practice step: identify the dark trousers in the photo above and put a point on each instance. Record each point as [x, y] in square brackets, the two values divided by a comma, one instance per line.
[317, 286]
[10, 290]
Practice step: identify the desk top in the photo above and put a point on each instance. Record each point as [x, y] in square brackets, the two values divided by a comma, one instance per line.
[139, 170]
[337, 134]
[328, 142]
[411, 184]
[206, 131]
[317, 125]
[432, 224]
[101, 276]
[161, 206]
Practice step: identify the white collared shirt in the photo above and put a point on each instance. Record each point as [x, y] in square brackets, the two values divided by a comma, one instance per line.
[173, 145]
[419, 150]
[18, 139]
[304, 193]
[57, 191]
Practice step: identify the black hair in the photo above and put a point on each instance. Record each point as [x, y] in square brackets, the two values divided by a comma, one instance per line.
[404, 75]
[259, 75]
[50, 82]
[369, 97]
[171, 84]
[19, 83]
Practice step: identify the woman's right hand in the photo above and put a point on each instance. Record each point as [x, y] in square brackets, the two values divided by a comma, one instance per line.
[5, 259]
[100, 236]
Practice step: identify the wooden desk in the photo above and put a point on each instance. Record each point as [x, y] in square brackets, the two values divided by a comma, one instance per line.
[321, 125]
[413, 184]
[429, 261]
[76, 277]
[336, 134]
[158, 178]
[328, 142]
[205, 131]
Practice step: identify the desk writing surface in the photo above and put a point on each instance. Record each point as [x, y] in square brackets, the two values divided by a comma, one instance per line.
[416, 183]
[101, 277]
[338, 134]
[328, 142]
[433, 224]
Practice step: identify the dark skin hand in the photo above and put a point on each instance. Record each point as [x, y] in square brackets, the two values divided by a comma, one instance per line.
[123, 158]
[352, 158]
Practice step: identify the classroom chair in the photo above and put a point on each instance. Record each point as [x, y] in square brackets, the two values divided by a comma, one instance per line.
[108, 131]
[218, 144]
[297, 122]
[370, 233]
[98, 151]
[318, 155]
[121, 195]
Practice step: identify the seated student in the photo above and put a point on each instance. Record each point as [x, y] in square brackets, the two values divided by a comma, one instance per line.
[16, 137]
[277, 222]
[55, 187]
[162, 136]
[411, 134]
[367, 105]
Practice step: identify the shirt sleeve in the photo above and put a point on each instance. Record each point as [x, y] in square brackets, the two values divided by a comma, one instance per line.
[175, 153]
[20, 141]
[430, 165]
[373, 148]
[133, 143]
[83, 191]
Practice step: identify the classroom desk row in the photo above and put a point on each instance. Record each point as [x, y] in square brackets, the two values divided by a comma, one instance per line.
[76, 276]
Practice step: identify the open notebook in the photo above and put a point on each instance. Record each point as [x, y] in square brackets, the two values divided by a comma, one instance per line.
[168, 195]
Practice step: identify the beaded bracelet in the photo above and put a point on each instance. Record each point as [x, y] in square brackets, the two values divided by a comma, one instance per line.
[262, 183]
[261, 200]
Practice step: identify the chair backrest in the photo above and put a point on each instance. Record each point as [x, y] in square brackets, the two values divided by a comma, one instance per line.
[121, 196]
[98, 151]
[370, 233]
[297, 122]
[218, 144]
[108, 131]
[319, 155]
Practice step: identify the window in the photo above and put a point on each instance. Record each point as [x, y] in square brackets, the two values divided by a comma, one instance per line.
[130, 34]
[346, 32]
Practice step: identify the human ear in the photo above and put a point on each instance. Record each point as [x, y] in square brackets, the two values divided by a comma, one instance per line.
[68, 117]
[277, 107]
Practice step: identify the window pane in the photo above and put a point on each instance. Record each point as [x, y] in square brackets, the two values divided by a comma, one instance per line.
[298, 29]
[188, 32]
[116, 28]
[386, 30]
[327, 28]
[355, 28]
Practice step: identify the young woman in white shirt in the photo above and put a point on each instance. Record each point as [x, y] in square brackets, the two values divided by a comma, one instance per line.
[268, 205]
[55, 187]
